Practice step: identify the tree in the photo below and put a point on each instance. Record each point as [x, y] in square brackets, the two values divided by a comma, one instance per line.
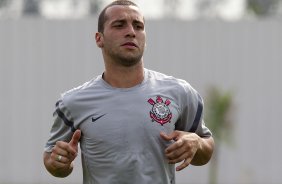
[95, 6]
[263, 7]
[3, 3]
[31, 7]
[218, 117]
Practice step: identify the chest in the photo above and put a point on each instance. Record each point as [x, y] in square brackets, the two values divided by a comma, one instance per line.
[127, 122]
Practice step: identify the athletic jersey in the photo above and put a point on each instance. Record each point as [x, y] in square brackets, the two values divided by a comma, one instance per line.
[120, 142]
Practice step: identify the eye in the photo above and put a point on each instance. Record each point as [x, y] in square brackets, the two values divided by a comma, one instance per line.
[118, 25]
[139, 26]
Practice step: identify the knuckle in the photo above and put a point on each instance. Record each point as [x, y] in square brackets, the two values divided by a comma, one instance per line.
[175, 153]
[58, 143]
[180, 142]
[170, 157]
[188, 145]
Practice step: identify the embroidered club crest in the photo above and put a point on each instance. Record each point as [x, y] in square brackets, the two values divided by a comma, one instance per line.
[160, 111]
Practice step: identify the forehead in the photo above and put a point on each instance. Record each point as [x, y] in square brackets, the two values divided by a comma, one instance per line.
[119, 12]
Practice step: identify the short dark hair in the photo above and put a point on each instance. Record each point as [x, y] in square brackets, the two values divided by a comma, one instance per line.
[102, 17]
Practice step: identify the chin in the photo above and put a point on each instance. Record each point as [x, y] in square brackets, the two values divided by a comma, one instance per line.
[129, 61]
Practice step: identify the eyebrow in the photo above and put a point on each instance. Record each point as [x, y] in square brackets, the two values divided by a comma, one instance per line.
[138, 22]
[118, 21]
[135, 21]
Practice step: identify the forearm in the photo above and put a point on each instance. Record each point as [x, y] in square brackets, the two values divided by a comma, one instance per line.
[55, 169]
[204, 152]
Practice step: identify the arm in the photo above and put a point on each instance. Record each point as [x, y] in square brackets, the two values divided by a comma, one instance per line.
[189, 148]
[204, 152]
[59, 161]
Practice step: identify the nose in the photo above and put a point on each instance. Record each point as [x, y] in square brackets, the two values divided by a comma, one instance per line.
[130, 31]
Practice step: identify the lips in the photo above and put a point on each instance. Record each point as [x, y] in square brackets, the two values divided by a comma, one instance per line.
[130, 44]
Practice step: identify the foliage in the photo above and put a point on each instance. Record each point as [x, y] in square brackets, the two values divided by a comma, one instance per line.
[218, 117]
[3, 3]
[262, 7]
[203, 8]
[218, 112]
[95, 6]
[31, 7]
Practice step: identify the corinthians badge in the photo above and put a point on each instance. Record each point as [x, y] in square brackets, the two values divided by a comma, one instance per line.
[160, 111]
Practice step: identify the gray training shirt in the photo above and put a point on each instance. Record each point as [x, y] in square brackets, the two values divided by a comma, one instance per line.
[120, 142]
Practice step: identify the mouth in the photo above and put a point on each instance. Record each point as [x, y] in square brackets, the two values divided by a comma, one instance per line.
[130, 44]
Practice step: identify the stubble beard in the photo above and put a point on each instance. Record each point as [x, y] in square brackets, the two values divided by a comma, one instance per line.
[126, 60]
[129, 60]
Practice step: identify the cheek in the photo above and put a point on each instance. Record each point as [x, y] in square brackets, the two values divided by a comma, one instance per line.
[143, 43]
[143, 40]
[109, 43]
[110, 40]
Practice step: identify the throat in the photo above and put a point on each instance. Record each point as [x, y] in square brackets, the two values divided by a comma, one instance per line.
[124, 79]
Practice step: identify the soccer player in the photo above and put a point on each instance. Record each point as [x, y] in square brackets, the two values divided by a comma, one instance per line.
[133, 124]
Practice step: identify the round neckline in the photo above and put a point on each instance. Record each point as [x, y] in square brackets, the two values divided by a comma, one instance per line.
[107, 85]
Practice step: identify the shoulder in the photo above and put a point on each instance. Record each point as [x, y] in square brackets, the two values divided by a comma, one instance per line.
[80, 90]
[169, 81]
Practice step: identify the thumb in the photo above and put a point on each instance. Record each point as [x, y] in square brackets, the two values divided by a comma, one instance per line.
[75, 138]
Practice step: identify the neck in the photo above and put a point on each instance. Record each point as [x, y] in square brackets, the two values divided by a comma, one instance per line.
[124, 77]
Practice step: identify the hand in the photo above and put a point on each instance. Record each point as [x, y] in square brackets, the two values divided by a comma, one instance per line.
[64, 153]
[183, 149]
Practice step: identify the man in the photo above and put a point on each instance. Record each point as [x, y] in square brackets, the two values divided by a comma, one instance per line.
[133, 124]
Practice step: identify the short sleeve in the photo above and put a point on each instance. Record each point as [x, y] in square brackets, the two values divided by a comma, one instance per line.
[62, 128]
[192, 110]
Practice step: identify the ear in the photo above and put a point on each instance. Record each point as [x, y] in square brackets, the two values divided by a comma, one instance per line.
[99, 39]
